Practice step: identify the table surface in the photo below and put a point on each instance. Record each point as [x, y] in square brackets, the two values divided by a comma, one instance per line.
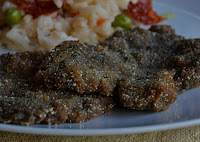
[190, 134]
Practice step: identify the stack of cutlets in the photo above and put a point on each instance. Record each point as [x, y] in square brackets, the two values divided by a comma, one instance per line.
[140, 69]
[23, 100]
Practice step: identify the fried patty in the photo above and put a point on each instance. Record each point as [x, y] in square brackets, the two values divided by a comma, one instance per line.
[145, 68]
[167, 62]
[185, 61]
[25, 101]
[152, 87]
[83, 68]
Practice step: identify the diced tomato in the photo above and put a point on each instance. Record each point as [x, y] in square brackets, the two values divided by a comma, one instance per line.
[36, 8]
[142, 11]
[101, 21]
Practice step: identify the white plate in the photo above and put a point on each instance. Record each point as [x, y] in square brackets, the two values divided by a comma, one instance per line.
[185, 112]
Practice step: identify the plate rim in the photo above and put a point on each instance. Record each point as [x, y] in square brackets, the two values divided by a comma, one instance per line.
[96, 132]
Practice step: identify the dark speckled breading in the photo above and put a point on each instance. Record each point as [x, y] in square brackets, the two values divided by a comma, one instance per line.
[144, 69]
[83, 68]
[186, 62]
[152, 87]
[18, 70]
[147, 48]
[51, 107]
[130, 58]
[24, 64]
[166, 63]
[154, 92]
[24, 101]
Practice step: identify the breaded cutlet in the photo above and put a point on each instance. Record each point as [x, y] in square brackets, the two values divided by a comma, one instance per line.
[134, 65]
[25, 101]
